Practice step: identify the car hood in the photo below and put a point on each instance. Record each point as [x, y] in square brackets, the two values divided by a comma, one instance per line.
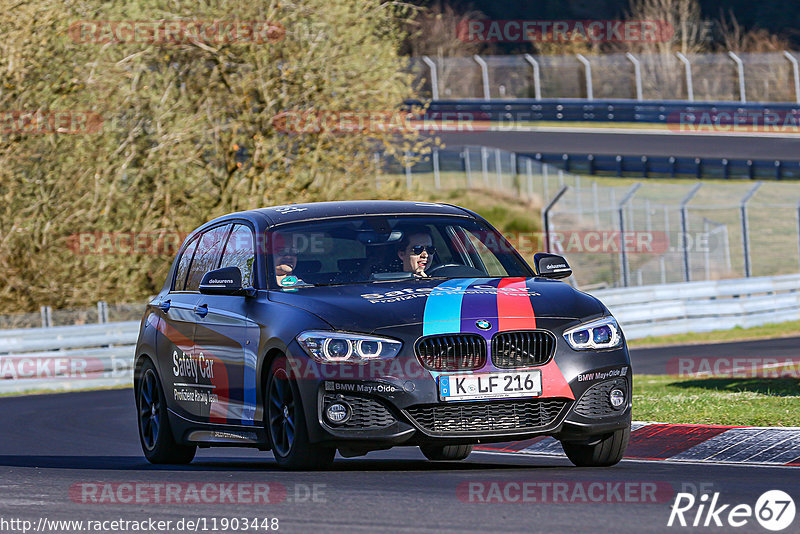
[441, 305]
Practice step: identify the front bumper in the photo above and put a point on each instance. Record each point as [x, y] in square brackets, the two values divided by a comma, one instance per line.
[397, 403]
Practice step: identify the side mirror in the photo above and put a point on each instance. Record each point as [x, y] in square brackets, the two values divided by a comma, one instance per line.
[225, 281]
[551, 266]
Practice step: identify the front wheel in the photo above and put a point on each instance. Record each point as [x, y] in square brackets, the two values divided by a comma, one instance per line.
[286, 424]
[602, 453]
[438, 453]
[158, 443]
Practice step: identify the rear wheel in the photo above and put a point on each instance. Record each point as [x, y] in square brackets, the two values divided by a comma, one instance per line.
[286, 424]
[445, 452]
[158, 443]
[603, 453]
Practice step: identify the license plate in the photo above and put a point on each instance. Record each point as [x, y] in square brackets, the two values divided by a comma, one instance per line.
[490, 385]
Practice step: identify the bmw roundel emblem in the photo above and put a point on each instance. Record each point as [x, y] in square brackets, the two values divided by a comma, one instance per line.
[483, 324]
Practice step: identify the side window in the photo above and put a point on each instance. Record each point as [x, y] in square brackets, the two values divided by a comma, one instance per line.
[208, 248]
[239, 252]
[183, 266]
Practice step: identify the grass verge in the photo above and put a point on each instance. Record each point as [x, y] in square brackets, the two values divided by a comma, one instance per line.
[767, 331]
[720, 401]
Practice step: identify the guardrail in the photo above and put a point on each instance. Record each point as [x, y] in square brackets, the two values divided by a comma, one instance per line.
[94, 356]
[611, 110]
[703, 306]
[67, 357]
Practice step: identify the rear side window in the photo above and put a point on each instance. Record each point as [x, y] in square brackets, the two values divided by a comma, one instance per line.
[183, 266]
[208, 249]
[240, 252]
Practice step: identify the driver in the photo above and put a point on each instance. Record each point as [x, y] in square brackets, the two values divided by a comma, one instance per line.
[416, 252]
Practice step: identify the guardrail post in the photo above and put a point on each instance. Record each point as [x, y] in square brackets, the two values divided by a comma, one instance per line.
[707, 251]
[546, 216]
[778, 169]
[796, 72]
[687, 276]
[537, 82]
[434, 76]
[798, 227]
[687, 65]
[637, 74]
[746, 230]
[740, 68]
[623, 254]
[588, 68]
[47, 316]
[484, 75]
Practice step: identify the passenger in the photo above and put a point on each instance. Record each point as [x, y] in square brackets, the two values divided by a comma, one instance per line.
[416, 252]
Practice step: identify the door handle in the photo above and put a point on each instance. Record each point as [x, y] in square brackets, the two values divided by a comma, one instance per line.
[164, 306]
[201, 310]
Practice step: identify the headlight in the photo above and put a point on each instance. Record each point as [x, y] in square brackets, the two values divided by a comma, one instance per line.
[601, 333]
[331, 347]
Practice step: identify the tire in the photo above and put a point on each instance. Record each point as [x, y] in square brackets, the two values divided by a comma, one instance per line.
[158, 443]
[606, 452]
[285, 423]
[440, 453]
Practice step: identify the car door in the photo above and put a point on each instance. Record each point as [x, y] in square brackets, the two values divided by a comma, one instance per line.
[187, 371]
[226, 337]
[176, 325]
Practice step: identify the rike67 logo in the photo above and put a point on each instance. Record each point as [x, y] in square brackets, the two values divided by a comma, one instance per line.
[774, 510]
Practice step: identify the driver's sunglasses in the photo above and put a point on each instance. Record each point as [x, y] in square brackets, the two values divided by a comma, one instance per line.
[417, 249]
[288, 252]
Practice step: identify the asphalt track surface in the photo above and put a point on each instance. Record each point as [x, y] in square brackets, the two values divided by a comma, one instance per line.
[655, 360]
[52, 442]
[633, 144]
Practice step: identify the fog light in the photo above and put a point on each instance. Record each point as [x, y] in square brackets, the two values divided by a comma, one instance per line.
[617, 398]
[338, 413]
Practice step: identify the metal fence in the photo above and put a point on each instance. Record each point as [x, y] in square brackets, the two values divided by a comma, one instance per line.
[743, 77]
[617, 234]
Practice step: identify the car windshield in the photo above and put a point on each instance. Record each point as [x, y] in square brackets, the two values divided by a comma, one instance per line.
[378, 248]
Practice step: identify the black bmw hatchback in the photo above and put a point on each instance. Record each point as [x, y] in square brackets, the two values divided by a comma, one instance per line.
[359, 326]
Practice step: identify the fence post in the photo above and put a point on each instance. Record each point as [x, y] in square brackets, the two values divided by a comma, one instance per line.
[796, 72]
[687, 276]
[637, 74]
[468, 167]
[434, 76]
[546, 216]
[529, 173]
[746, 230]
[47, 316]
[377, 159]
[409, 182]
[437, 181]
[102, 312]
[588, 67]
[688, 70]
[485, 165]
[498, 169]
[707, 252]
[623, 254]
[537, 82]
[484, 75]
[740, 67]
